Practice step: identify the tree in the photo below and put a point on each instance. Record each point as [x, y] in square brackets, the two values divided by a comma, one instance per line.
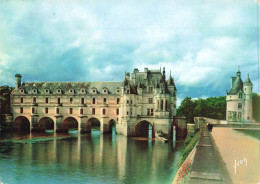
[212, 107]
[186, 109]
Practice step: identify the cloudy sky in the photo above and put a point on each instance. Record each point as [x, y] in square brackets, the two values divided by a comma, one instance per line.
[201, 42]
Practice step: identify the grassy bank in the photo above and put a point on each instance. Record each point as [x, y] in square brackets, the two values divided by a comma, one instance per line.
[250, 132]
[189, 144]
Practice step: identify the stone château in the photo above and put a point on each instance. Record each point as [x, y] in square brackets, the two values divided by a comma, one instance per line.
[142, 99]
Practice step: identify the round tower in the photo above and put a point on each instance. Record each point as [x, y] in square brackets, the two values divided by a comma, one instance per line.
[18, 81]
[248, 109]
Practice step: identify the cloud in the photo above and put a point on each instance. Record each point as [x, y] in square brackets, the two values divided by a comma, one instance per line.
[202, 43]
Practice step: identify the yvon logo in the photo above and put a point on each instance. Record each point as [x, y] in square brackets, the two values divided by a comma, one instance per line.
[238, 163]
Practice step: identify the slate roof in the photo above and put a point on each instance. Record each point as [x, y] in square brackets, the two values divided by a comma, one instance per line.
[248, 81]
[66, 86]
[237, 86]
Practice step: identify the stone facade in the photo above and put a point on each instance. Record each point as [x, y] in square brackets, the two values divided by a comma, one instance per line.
[239, 100]
[145, 98]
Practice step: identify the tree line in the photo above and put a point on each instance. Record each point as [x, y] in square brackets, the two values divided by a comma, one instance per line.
[212, 107]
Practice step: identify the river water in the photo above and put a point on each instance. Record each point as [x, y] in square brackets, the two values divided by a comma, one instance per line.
[87, 158]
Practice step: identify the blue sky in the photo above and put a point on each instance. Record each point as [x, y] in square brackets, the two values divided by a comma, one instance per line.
[202, 42]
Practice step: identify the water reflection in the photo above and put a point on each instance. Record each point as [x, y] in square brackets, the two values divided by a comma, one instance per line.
[89, 158]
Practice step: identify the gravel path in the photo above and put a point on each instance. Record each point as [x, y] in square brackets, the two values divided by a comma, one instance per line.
[245, 150]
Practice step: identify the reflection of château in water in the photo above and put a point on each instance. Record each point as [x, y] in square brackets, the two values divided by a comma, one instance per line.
[146, 98]
[239, 99]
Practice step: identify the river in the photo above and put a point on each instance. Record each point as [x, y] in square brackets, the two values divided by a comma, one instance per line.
[86, 158]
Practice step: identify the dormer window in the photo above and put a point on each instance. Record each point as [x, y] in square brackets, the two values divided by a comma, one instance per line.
[94, 91]
[71, 90]
[118, 91]
[83, 91]
[22, 91]
[105, 90]
[58, 90]
[47, 91]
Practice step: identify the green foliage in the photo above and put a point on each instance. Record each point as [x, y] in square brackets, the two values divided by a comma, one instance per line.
[190, 142]
[5, 92]
[256, 107]
[212, 107]
[186, 109]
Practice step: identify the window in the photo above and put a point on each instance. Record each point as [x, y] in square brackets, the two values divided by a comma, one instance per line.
[239, 115]
[58, 101]
[117, 111]
[34, 100]
[127, 101]
[127, 112]
[131, 101]
[240, 105]
[240, 95]
[71, 90]
[81, 111]
[57, 111]
[104, 111]
[46, 100]
[58, 90]
[94, 91]
[105, 91]
[104, 100]
[150, 100]
[82, 100]
[71, 110]
[117, 100]
[117, 91]
[128, 91]
[71, 99]
[93, 100]
[47, 91]
[82, 90]
[34, 91]
[150, 89]
[93, 110]
[33, 110]
[21, 99]
[46, 110]
[21, 109]
[149, 112]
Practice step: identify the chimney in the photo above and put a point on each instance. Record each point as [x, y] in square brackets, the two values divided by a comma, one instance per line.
[18, 81]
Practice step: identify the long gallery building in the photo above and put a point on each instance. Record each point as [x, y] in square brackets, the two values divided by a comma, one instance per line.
[146, 98]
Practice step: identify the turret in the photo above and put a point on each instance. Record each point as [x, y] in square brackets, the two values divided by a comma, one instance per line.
[18, 81]
[248, 99]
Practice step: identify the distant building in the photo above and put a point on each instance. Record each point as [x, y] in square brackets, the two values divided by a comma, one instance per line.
[239, 100]
[145, 98]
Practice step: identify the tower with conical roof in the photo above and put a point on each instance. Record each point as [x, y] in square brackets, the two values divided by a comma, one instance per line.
[248, 86]
[239, 100]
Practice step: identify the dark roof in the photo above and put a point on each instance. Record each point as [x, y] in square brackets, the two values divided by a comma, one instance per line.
[248, 81]
[237, 86]
[65, 86]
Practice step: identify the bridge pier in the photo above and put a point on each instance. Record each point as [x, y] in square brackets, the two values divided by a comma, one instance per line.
[104, 125]
[58, 124]
[82, 125]
[34, 125]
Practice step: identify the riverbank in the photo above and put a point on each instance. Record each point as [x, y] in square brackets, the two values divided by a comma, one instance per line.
[186, 159]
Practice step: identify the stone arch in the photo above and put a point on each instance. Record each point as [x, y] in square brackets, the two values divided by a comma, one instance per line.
[70, 123]
[142, 129]
[93, 122]
[46, 123]
[111, 123]
[22, 124]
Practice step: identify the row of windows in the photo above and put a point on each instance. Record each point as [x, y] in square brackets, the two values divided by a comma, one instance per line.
[72, 91]
[71, 100]
[71, 111]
